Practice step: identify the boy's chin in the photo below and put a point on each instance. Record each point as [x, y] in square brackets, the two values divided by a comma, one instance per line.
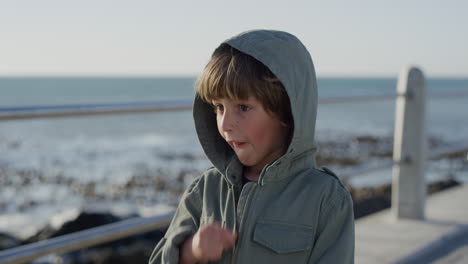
[245, 162]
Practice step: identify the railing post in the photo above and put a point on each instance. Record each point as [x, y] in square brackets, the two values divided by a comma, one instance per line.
[409, 149]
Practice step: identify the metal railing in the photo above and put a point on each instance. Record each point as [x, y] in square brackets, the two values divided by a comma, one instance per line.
[57, 111]
[86, 238]
[125, 228]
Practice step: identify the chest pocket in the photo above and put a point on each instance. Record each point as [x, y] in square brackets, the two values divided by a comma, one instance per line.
[283, 238]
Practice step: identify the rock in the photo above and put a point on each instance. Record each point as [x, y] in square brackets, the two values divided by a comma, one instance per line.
[441, 185]
[323, 160]
[369, 200]
[366, 139]
[84, 220]
[8, 241]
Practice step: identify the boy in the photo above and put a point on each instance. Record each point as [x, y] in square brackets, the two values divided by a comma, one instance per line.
[263, 201]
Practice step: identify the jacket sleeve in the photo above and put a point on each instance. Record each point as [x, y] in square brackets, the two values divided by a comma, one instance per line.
[185, 222]
[335, 238]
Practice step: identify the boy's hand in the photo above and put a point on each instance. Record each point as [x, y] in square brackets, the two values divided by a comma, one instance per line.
[207, 244]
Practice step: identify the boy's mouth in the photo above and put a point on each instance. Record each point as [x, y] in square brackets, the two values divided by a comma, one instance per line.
[237, 144]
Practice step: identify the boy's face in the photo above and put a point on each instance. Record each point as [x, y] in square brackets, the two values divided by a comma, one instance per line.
[256, 136]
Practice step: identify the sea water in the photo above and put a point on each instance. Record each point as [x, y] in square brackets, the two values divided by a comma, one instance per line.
[49, 165]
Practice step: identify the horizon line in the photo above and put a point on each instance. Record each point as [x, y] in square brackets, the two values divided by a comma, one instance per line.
[123, 76]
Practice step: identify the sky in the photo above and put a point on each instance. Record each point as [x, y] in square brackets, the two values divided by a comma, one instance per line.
[176, 38]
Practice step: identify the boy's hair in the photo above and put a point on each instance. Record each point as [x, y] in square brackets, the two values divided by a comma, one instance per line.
[235, 75]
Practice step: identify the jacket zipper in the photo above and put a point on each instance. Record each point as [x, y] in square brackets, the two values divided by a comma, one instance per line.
[242, 220]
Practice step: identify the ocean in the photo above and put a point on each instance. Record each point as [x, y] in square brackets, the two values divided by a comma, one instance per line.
[138, 162]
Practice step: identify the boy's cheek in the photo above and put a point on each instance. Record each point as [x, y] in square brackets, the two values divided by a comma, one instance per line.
[220, 131]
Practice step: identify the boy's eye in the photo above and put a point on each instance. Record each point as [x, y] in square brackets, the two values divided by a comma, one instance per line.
[218, 108]
[244, 108]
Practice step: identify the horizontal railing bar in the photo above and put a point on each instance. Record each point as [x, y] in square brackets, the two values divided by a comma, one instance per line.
[55, 111]
[352, 99]
[20, 116]
[447, 94]
[368, 98]
[161, 103]
[73, 110]
[86, 238]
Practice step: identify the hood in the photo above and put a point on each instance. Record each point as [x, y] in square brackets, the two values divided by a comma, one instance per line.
[289, 60]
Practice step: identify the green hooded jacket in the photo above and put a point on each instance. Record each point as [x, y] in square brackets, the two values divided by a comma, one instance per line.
[295, 213]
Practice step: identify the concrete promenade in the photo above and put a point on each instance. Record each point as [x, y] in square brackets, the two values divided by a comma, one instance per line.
[441, 238]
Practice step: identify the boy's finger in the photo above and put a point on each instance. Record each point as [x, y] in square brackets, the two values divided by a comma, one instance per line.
[214, 225]
[228, 237]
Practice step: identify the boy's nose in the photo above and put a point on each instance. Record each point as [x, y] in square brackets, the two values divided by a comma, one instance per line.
[227, 121]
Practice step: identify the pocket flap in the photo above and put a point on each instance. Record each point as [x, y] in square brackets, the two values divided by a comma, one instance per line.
[283, 237]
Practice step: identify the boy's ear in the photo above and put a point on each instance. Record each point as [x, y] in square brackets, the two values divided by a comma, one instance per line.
[284, 124]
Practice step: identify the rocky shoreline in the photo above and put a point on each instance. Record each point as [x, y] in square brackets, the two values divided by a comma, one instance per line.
[137, 249]
[148, 187]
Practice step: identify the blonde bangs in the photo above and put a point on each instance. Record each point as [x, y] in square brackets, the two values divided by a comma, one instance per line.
[231, 74]
[225, 77]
